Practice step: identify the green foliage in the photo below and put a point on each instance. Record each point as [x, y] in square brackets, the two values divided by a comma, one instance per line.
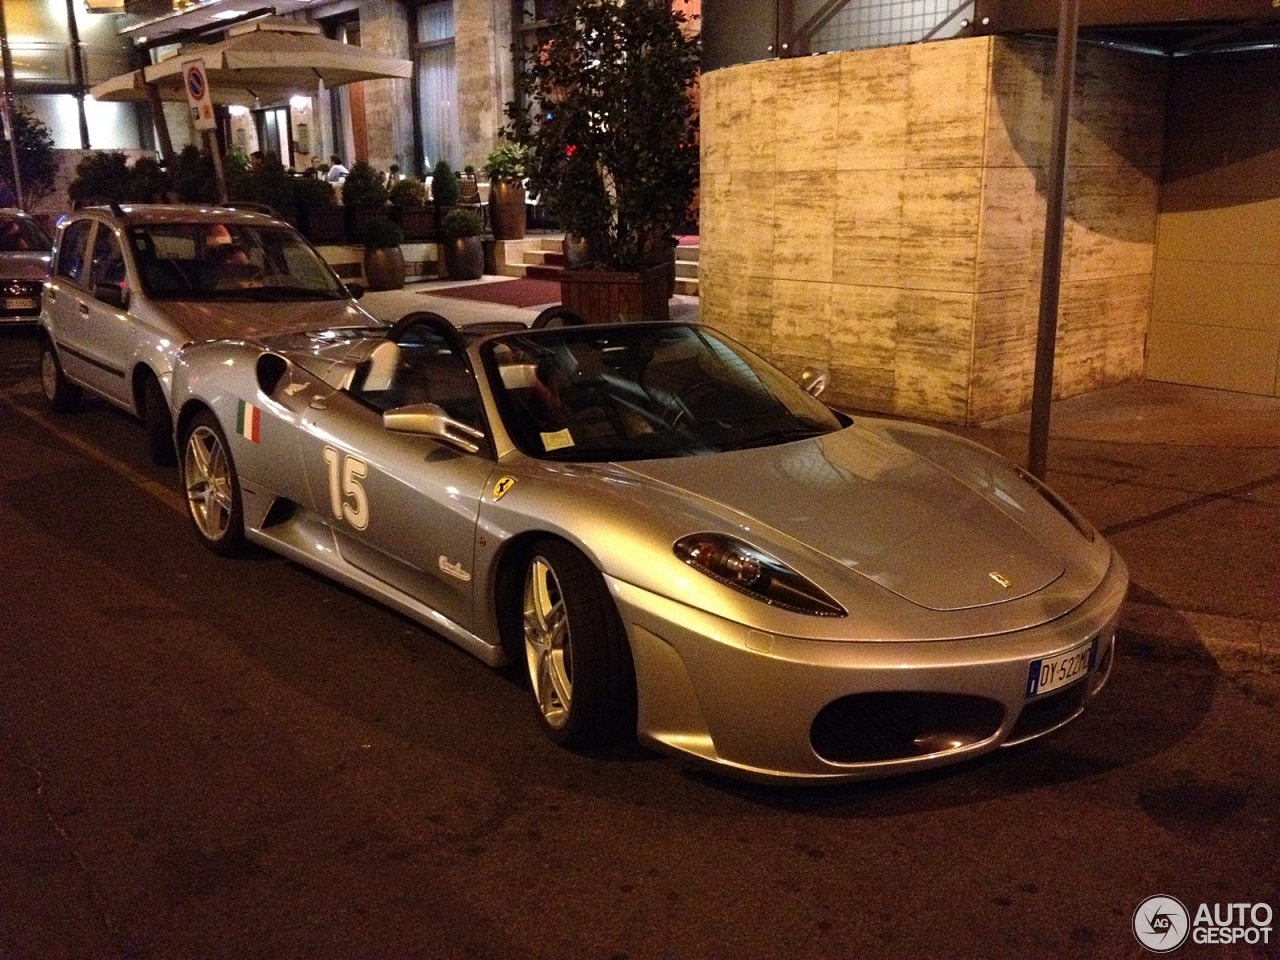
[363, 187]
[101, 177]
[267, 183]
[605, 111]
[444, 185]
[36, 160]
[313, 192]
[462, 223]
[380, 232]
[193, 176]
[411, 192]
[508, 162]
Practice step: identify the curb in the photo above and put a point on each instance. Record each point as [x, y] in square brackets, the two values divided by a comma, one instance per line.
[1236, 644]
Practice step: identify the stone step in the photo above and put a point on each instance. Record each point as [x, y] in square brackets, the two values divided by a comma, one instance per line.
[687, 252]
[687, 269]
[551, 258]
[687, 286]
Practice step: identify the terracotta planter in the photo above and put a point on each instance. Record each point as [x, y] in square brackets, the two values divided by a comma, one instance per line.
[463, 258]
[384, 268]
[617, 296]
[507, 209]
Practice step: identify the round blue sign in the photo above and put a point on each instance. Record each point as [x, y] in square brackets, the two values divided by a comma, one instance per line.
[195, 83]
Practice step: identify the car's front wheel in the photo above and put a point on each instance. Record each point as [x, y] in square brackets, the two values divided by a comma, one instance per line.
[61, 394]
[212, 486]
[576, 649]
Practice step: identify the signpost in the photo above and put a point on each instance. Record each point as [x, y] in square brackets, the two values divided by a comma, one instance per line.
[196, 82]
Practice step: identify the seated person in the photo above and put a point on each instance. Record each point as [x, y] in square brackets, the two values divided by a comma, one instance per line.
[227, 265]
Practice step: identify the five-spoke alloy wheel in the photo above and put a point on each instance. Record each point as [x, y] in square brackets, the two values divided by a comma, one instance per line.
[212, 488]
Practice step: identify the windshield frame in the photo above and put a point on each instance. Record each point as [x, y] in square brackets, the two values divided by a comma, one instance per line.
[741, 399]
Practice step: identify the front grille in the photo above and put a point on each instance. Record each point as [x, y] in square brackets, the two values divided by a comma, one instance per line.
[1040, 716]
[876, 727]
[11, 290]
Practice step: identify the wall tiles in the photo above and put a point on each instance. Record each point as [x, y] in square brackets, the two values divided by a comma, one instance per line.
[947, 102]
[867, 233]
[1012, 229]
[1118, 109]
[1020, 112]
[872, 131]
[1244, 296]
[940, 212]
[801, 328]
[864, 338]
[1235, 233]
[803, 214]
[1111, 226]
[806, 115]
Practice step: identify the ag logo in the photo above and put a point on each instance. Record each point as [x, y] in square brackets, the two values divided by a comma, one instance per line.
[1161, 923]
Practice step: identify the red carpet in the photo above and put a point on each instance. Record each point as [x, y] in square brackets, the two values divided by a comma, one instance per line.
[521, 292]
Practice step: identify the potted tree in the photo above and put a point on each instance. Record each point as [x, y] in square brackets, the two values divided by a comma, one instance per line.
[384, 267]
[409, 208]
[506, 169]
[364, 195]
[462, 249]
[605, 109]
[444, 194]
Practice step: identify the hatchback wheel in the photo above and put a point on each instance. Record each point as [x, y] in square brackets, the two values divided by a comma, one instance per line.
[62, 395]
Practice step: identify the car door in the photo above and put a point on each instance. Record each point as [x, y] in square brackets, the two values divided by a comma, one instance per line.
[403, 507]
[97, 337]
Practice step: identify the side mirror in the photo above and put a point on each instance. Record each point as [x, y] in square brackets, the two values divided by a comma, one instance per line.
[114, 294]
[430, 420]
[814, 380]
[355, 290]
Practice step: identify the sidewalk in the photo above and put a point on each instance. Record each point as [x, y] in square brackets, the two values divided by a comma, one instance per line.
[1184, 481]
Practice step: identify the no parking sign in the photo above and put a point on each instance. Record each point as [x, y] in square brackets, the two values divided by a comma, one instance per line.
[197, 84]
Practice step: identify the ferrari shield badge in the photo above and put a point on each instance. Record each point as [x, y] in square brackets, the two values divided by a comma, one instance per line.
[501, 488]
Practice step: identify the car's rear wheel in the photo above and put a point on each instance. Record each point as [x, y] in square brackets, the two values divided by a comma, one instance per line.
[155, 413]
[576, 650]
[61, 394]
[212, 486]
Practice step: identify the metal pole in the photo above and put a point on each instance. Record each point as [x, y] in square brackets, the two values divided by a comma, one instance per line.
[77, 72]
[12, 128]
[1054, 221]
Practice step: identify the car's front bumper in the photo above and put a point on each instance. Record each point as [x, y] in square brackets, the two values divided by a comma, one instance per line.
[746, 702]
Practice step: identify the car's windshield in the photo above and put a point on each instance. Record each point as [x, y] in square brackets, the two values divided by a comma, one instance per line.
[218, 261]
[19, 233]
[638, 392]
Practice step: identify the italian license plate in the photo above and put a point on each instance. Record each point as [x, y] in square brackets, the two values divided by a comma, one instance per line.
[1053, 673]
[19, 303]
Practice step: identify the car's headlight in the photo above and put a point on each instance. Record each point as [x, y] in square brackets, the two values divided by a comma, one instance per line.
[746, 569]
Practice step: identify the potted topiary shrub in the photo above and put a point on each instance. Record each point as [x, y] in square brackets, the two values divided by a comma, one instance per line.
[444, 194]
[363, 195]
[410, 210]
[462, 249]
[506, 169]
[605, 108]
[383, 259]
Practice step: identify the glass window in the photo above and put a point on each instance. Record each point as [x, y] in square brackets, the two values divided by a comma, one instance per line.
[71, 252]
[108, 261]
[436, 71]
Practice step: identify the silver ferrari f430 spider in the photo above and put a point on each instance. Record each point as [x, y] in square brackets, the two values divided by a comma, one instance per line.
[678, 541]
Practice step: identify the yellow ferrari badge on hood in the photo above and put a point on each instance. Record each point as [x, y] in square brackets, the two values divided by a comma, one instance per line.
[502, 486]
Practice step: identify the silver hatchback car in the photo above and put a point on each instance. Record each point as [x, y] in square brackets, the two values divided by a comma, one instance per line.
[131, 285]
[24, 264]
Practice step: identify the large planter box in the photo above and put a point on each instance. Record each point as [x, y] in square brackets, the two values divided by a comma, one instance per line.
[322, 224]
[617, 296]
[418, 223]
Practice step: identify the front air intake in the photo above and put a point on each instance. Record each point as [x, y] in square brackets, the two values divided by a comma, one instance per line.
[878, 727]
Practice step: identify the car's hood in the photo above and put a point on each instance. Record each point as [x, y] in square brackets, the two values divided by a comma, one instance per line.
[25, 265]
[878, 508]
[221, 319]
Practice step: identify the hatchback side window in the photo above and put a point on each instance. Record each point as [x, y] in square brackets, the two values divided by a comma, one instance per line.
[108, 261]
[71, 252]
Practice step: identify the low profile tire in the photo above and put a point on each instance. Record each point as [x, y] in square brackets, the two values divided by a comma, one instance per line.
[576, 651]
[60, 393]
[212, 486]
[557, 316]
[159, 421]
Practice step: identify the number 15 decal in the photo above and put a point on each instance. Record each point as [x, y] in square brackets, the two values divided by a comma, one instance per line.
[347, 498]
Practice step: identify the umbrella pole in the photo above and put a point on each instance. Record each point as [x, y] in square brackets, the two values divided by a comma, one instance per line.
[161, 124]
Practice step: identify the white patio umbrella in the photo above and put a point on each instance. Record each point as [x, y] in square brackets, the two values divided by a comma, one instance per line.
[259, 63]
[264, 62]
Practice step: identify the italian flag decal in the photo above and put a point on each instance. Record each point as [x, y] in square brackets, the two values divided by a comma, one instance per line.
[249, 421]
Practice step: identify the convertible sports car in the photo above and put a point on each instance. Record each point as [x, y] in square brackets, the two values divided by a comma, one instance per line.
[679, 542]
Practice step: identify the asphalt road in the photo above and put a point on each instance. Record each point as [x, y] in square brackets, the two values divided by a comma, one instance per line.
[210, 758]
